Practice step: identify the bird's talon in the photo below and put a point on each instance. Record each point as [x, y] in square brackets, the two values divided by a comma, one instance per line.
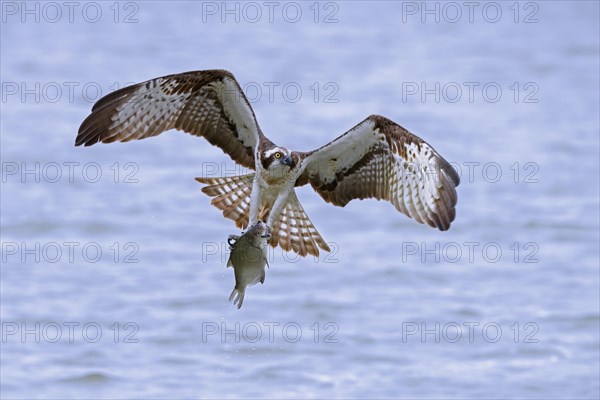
[267, 231]
[232, 239]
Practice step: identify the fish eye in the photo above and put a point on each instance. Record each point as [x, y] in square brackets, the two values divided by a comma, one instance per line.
[278, 155]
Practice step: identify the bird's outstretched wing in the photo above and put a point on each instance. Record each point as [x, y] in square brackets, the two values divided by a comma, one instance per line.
[203, 103]
[380, 159]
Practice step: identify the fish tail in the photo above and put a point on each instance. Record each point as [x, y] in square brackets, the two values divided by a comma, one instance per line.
[237, 297]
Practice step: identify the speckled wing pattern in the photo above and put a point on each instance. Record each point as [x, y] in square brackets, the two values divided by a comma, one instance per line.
[380, 159]
[207, 103]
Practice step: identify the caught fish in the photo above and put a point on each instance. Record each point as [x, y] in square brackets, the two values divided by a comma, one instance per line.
[248, 258]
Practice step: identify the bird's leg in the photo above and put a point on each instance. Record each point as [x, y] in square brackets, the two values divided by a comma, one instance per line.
[254, 202]
[280, 202]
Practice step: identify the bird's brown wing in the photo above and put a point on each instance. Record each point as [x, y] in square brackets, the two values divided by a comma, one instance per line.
[207, 103]
[380, 159]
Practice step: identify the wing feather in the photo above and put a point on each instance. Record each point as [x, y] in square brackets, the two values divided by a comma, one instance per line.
[380, 159]
[207, 103]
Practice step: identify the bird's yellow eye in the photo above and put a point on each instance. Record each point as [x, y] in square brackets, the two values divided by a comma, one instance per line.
[277, 155]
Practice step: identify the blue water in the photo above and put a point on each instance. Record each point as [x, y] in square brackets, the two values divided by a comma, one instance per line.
[115, 286]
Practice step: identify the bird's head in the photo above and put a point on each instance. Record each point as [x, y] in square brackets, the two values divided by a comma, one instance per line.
[277, 160]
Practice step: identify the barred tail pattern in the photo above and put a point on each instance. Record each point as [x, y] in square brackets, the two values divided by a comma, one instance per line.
[231, 195]
[293, 230]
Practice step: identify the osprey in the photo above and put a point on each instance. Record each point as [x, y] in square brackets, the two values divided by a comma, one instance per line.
[375, 159]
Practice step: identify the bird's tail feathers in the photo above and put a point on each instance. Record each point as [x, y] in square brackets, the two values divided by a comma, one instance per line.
[294, 231]
[231, 195]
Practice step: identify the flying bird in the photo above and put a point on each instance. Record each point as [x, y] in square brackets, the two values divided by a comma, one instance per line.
[375, 159]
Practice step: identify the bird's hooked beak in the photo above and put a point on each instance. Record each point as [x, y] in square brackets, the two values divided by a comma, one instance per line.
[287, 160]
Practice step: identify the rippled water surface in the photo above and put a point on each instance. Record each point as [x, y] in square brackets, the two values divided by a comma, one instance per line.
[114, 286]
